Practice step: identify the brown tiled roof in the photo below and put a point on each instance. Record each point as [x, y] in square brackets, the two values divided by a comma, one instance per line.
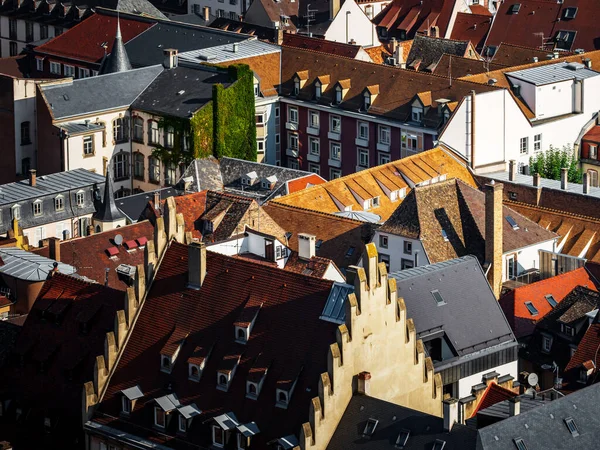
[515, 55]
[472, 27]
[593, 134]
[397, 87]
[315, 267]
[338, 234]
[428, 51]
[280, 8]
[459, 210]
[480, 10]
[267, 68]
[89, 254]
[320, 45]
[587, 350]
[287, 337]
[379, 54]
[455, 66]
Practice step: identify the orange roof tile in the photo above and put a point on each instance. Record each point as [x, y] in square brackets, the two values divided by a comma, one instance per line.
[492, 395]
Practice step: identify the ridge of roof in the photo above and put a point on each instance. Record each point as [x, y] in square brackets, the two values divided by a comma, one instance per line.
[552, 210]
[274, 204]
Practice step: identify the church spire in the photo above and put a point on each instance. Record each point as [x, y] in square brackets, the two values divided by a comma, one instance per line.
[108, 211]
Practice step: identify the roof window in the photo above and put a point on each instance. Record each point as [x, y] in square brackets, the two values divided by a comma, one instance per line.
[350, 252]
[550, 299]
[512, 223]
[438, 297]
[370, 427]
[514, 9]
[520, 444]
[402, 438]
[532, 309]
[570, 13]
[444, 235]
[570, 423]
[439, 444]
[318, 244]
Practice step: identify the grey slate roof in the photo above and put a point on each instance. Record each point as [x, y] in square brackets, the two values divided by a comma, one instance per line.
[25, 265]
[147, 48]
[553, 73]
[55, 183]
[117, 61]
[429, 50]
[203, 173]
[424, 429]
[180, 91]
[133, 206]
[107, 211]
[471, 318]
[100, 93]
[142, 7]
[544, 427]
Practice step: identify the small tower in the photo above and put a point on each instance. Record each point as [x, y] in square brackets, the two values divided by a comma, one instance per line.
[117, 61]
[108, 216]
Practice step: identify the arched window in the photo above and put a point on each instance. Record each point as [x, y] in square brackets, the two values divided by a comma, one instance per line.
[222, 379]
[166, 362]
[16, 212]
[121, 166]
[194, 371]
[118, 129]
[251, 388]
[241, 334]
[282, 397]
[138, 166]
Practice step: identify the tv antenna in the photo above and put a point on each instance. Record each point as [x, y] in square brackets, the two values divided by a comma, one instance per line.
[310, 17]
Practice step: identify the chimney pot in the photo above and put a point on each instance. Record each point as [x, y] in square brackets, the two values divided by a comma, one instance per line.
[196, 265]
[586, 183]
[564, 183]
[512, 170]
[537, 180]
[450, 410]
[54, 247]
[306, 246]
[364, 383]
[32, 178]
[514, 406]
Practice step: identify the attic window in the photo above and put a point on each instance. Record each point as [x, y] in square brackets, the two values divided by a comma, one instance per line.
[520, 444]
[439, 444]
[417, 114]
[296, 86]
[338, 94]
[367, 100]
[165, 363]
[402, 438]
[438, 297]
[251, 390]
[282, 398]
[194, 372]
[570, 423]
[318, 89]
[532, 309]
[514, 9]
[125, 405]
[370, 427]
[512, 223]
[222, 380]
[550, 299]
[241, 334]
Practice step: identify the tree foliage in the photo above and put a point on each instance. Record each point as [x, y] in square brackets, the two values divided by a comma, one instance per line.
[549, 164]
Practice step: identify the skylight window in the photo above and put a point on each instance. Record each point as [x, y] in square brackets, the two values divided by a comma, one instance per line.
[439, 444]
[520, 444]
[532, 309]
[350, 252]
[550, 298]
[370, 427]
[570, 13]
[318, 244]
[572, 427]
[402, 438]
[438, 297]
[512, 223]
[514, 9]
[445, 235]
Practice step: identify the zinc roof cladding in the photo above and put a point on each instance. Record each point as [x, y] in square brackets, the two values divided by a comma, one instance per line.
[545, 425]
[397, 87]
[337, 234]
[424, 429]
[88, 254]
[559, 286]
[57, 390]
[180, 92]
[430, 49]
[321, 45]
[84, 41]
[463, 285]
[55, 183]
[99, 93]
[147, 48]
[218, 54]
[417, 168]
[553, 73]
[287, 335]
[76, 128]
[27, 266]
[471, 27]
[501, 409]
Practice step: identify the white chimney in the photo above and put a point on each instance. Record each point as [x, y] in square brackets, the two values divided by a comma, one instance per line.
[514, 406]
[564, 183]
[306, 245]
[512, 170]
[450, 410]
[586, 183]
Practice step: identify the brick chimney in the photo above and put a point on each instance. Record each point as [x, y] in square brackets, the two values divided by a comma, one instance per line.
[450, 411]
[54, 247]
[306, 246]
[514, 406]
[364, 383]
[512, 170]
[196, 265]
[493, 234]
[586, 183]
[564, 178]
[32, 178]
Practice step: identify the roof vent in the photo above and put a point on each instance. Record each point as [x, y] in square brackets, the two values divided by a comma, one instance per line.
[492, 81]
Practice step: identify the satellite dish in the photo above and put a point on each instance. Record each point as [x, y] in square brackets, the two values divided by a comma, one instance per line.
[532, 379]
[118, 239]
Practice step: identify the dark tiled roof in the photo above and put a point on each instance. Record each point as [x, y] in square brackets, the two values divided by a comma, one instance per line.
[288, 338]
[587, 350]
[427, 51]
[117, 60]
[133, 206]
[15, 67]
[392, 419]
[516, 55]
[321, 45]
[471, 27]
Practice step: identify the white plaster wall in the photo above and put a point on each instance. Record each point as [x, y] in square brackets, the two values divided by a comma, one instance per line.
[376, 7]
[24, 104]
[332, 273]
[395, 250]
[360, 28]
[527, 257]
[5, 35]
[230, 247]
[554, 99]
[465, 384]
[54, 229]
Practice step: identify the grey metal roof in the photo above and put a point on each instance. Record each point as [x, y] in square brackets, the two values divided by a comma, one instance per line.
[74, 128]
[544, 427]
[553, 73]
[248, 429]
[100, 93]
[133, 393]
[55, 183]
[546, 183]
[225, 53]
[227, 421]
[334, 310]
[107, 211]
[189, 411]
[24, 265]
[168, 402]
[470, 316]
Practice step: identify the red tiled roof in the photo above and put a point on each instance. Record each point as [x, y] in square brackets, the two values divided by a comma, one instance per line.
[320, 45]
[412, 15]
[471, 27]
[303, 182]
[52, 335]
[89, 254]
[513, 303]
[84, 41]
[480, 10]
[315, 267]
[492, 395]
[588, 348]
[287, 337]
[593, 134]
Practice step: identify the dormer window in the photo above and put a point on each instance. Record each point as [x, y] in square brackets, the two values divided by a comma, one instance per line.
[299, 81]
[164, 405]
[222, 425]
[223, 379]
[417, 113]
[170, 351]
[367, 101]
[318, 91]
[182, 424]
[241, 334]
[125, 405]
[159, 417]
[243, 326]
[165, 363]
[296, 87]
[197, 362]
[194, 372]
[59, 203]
[16, 212]
[37, 208]
[282, 398]
[338, 95]
[369, 95]
[186, 415]
[251, 390]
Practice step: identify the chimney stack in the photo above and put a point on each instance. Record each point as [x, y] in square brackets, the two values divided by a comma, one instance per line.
[32, 178]
[279, 36]
[171, 60]
[537, 180]
[306, 246]
[588, 63]
[334, 8]
[236, 47]
[90, 230]
[450, 411]
[512, 170]
[364, 383]
[157, 200]
[514, 406]
[586, 183]
[494, 227]
[196, 265]
[564, 182]
[206, 13]
[54, 247]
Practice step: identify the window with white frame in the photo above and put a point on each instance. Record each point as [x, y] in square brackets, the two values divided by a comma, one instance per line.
[335, 151]
[194, 372]
[118, 129]
[256, 89]
[593, 177]
[37, 208]
[524, 145]
[80, 199]
[55, 68]
[335, 124]
[335, 173]
[154, 169]
[138, 129]
[384, 158]
[318, 89]
[409, 141]
[313, 119]
[314, 168]
[296, 86]
[277, 112]
[84, 73]
[88, 145]
[363, 130]
[546, 343]
[417, 114]
[16, 212]
[260, 119]
[537, 142]
[383, 241]
[153, 131]
[260, 146]
[593, 153]
[159, 417]
[384, 135]
[369, 11]
[363, 157]
[293, 114]
[39, 64]
[69, 71]
[293, 141]
[293, 164]
[218, 436]
[59, 203]
[315, 146]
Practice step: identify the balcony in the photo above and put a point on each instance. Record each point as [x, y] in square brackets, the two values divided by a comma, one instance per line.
[292, 126]
[312, 131]
[293, 152]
